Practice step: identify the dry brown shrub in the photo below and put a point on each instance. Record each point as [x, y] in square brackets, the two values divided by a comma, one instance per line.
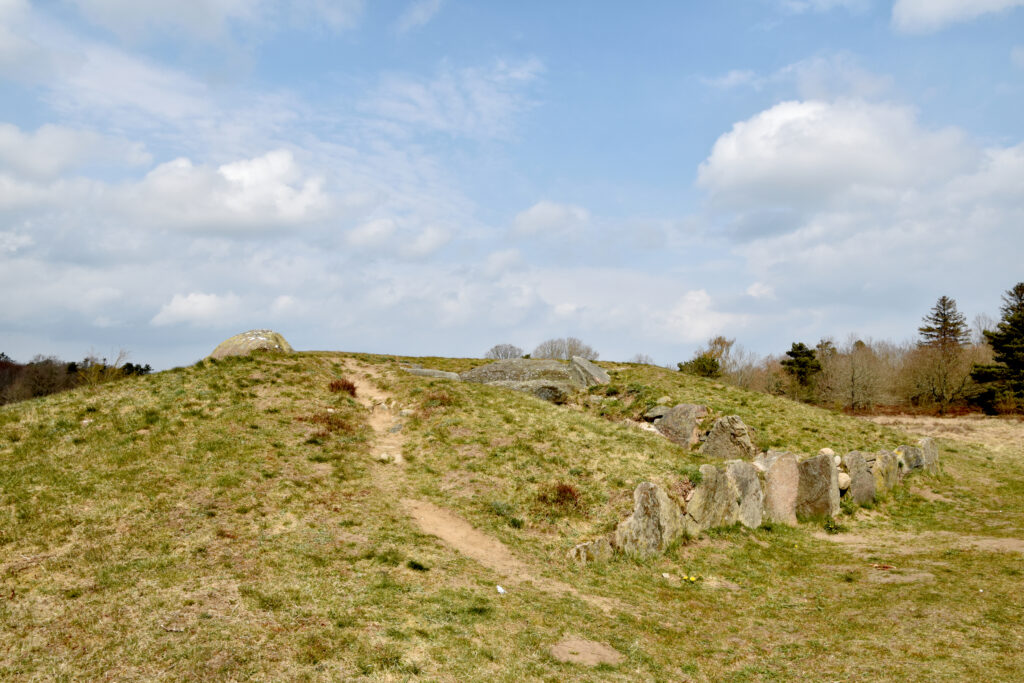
[343, 384]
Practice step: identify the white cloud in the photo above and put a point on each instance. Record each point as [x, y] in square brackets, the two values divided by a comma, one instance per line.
[198, 308]
[417, 14]
[693, 317]
[11, 242]
[760, 290]
[925, 16]
[547, 218]
[261, 193]
[470, 102]
[51, 149]
[806, 154]
[211, 20]
[824, 77]
[375, 233]
[733, 79]
[801, 6]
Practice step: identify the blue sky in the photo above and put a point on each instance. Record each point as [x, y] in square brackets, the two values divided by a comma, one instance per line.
[438, 176]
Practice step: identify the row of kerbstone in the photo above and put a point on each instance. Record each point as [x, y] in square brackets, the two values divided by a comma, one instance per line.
[775, 487]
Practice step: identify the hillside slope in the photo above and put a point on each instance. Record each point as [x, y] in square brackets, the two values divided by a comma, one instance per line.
[240, 519]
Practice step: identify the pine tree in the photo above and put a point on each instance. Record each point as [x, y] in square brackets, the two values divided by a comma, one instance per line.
[802, 364]
[944, 327]
[1006, 374]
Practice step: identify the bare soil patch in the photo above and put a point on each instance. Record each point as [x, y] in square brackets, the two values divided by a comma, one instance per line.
[586, 652]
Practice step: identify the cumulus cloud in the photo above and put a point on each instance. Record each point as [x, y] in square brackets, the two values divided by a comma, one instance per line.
[418, 14]
[51, 150]
[261, 193]
[547, 218]
[798, 155]
[197, 308]
[926, 16]
[471, 102]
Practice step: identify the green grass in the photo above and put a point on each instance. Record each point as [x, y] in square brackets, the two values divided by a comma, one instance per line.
[226, 521]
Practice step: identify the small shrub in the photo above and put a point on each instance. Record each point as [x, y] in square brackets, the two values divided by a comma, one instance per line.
[833, 527]
[561, 495]
[343, 384]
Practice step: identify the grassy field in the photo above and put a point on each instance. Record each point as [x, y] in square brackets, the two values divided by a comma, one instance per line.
[233, 520]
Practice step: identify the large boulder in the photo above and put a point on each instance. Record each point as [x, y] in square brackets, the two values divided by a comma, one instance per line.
[550, 380]
[519, 370]
[818, 490]
[655, 523]
[781, 486]
[930, 453]
[679, 424]
[587, 373]
[549, 390]
[730, 439]
[743, 477]
[714, 503]
[429, 372]
[886, 471]
[254, 340]
[862, 481]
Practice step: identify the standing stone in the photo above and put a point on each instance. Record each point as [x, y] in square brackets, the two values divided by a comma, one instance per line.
[818, 491]
[730, 439]
[910, 457]
[744, 478]
[781, 485]
[587, 373]
[681, 424]
[862, 482]
[715, 502]
[931, 455]
[656, 522]
[886, 471]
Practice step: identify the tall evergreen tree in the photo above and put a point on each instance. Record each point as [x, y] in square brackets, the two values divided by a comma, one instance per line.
[802, 364]
[944, 327]
[1006, 374]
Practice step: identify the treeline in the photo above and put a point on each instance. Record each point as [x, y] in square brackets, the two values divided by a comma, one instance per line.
[45, 375]
[946, 369]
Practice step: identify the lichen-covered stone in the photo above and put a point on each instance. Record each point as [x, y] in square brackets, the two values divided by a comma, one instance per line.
[930, 453]
[428, 372]
[818, 492]
[910, 458]
[862, 482]
[681, 424]
[715, 502]
[254, 340]
[549, 390]
[586, 373]
[599, 550]
[655, 523]
[744, 478]
[730, 439]
[885, 471]
[520, 370]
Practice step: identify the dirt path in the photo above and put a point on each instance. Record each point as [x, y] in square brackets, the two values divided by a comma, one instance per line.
[389, 476]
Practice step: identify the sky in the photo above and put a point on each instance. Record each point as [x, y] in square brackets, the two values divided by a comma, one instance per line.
[438, 176]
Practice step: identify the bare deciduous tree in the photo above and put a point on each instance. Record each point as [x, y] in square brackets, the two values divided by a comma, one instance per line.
[564, 349]
[504, 352]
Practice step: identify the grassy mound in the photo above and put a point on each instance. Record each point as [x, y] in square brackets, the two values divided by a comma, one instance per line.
[227, 521]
